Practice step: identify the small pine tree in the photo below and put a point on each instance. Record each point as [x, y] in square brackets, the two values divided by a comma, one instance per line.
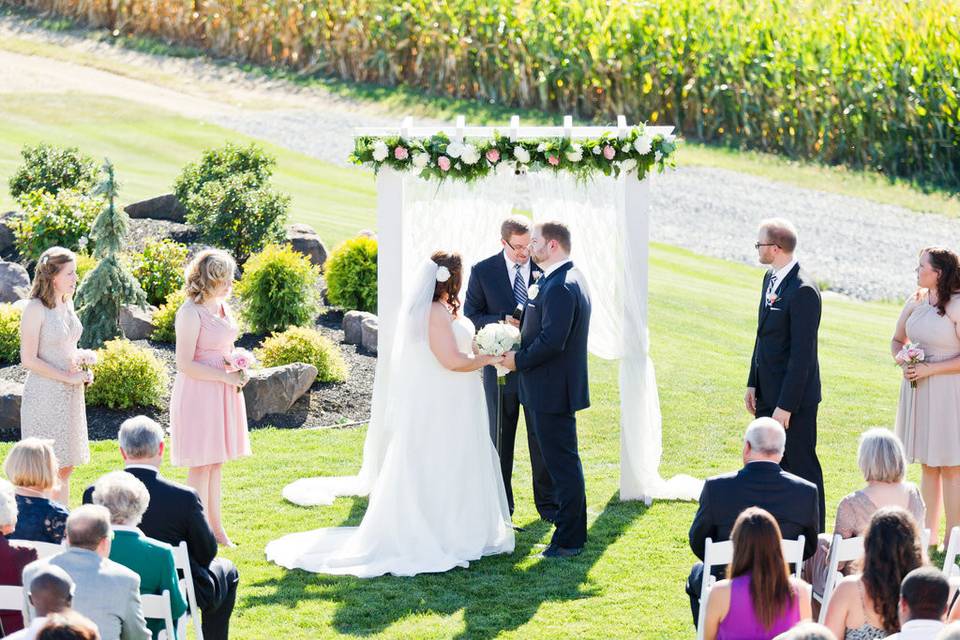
[110, 285]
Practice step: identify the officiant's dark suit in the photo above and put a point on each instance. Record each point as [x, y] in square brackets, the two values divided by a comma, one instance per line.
[785, 371]
[552, 363]
[492, 298]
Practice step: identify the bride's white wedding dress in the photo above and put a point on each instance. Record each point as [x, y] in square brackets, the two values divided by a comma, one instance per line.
[438, 501]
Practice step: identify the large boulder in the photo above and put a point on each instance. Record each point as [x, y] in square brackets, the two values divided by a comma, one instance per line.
[353, 326]
[274, 390]
[370, 327]
[11, 394]
[8, 242]
[137, 323]
[14, 282]
[165, 207]
[304, 239]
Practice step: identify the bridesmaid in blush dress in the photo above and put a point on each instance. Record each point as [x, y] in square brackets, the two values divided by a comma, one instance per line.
[208, 418]
[928, 414]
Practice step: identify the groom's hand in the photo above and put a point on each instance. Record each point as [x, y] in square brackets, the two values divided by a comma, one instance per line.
[750, 400]
[781, 416]
[508, 361]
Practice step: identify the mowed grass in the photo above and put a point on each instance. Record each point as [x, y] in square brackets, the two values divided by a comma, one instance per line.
[629, 581]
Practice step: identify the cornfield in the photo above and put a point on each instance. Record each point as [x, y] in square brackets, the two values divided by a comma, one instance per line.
[865, 83]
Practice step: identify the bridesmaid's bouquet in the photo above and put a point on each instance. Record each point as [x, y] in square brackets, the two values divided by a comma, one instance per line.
[496, 339]
[240, 360]
[85, 359]
[911, 353]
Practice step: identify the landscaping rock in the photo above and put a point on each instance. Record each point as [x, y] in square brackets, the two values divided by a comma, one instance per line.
[370, 328]
[353, 326]
[305, 240]
[8, 241]
[137, 323]
[165, 207]
[14, 282]
[11, 393]
[274, 390]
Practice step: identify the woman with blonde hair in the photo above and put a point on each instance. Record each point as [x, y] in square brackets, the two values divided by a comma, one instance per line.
[53, 405]
[31, 466]
[208, 418]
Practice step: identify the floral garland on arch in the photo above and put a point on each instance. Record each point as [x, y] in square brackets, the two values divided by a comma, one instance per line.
[440, 158]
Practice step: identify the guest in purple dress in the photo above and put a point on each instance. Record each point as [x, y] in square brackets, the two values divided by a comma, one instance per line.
[758, 600]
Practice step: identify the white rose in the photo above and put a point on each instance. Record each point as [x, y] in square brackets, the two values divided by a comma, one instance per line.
[470, 154]
[542, 147]
[575, 154]
[626, 148]
[643, 144]
[596, 151]
[532, 291]
[380, 151]
[420, 160]
[521, 154]
[455, 149]
[628, 165]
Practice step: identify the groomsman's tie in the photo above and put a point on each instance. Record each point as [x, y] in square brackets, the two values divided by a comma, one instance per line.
[519, 286]
[771, 287]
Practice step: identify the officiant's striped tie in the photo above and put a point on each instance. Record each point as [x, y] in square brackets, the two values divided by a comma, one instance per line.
[519, 286]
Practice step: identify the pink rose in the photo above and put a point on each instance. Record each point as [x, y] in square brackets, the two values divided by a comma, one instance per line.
[444, 163]
[401, 153]
[554, 160]
[493, 156]
[609, 152]
[915, 354]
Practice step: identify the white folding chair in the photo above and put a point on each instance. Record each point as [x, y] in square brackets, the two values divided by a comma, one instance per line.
[181, 558]
[925, 538]
[721, 553]
[950, 567]
[841, 550]
[13, 598]
[44, 549]
[158, 607]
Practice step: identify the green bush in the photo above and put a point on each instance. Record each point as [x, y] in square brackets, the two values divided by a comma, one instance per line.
[127, 376]
[51, 169]
[351, 273]
[238, 215]
[219, 164]
[303, 344]
[164, 320]
[159, 269]
[54, 220]
[9, 334]
[278, 290]
[85, 264]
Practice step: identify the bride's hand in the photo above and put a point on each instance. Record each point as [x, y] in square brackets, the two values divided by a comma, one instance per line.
[488, 360]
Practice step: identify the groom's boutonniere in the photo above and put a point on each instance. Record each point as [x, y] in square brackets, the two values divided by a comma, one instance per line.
[532, 291]
[772, 298]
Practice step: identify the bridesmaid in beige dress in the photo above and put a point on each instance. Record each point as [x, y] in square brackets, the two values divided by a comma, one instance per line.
[53, 406]
[928, 416]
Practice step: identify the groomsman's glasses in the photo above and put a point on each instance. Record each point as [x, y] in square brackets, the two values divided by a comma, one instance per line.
[765, 244]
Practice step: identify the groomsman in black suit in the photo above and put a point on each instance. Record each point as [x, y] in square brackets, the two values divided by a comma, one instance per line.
[497, 292]
[784, 380]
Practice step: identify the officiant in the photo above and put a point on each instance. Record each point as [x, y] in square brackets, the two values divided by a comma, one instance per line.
[497, 292]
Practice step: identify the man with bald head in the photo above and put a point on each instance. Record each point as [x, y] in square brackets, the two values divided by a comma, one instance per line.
[50, 591]
[792, 501]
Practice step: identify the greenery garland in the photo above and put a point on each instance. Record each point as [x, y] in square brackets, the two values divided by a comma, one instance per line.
[439, 158]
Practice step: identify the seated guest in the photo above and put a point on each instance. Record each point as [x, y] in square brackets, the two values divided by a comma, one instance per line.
[923, 604]
[32, 467]
[106, 592]
[174, 515]
[866, 605]
[884, 467]
[50, 592]
[759, 599]
[807, 631]
[791, 501]
[126, 499]
[950, 632]
[13, 557]
[69, 626]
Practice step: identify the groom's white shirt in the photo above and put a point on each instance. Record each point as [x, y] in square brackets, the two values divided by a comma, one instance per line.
[512, 271]
[554, 267]
[782, 273]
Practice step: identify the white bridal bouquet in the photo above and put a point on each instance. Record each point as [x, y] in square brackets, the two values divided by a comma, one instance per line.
[495, 339]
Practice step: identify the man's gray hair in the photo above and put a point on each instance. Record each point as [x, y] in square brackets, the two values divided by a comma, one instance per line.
[140, 437]
[124, 496]
[766, 436]
[8, 505]
[87, 526]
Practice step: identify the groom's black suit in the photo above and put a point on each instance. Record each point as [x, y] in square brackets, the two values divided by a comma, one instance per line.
[490, 299]
[552, 362]
[786, 373]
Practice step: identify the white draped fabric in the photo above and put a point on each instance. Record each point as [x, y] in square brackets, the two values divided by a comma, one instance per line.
[609, 247]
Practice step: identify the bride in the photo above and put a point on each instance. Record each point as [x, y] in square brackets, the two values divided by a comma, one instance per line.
[438, 501]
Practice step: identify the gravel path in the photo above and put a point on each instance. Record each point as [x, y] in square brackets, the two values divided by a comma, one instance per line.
[853, 246]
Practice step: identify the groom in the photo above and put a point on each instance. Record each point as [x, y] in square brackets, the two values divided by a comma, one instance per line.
[552, 362]
[497, 290]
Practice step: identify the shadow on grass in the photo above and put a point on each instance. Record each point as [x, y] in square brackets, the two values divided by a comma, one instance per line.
[496, 594]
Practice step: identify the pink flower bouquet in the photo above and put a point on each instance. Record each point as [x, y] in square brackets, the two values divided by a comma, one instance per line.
[240, 360]
[84, 359]
[911, 353]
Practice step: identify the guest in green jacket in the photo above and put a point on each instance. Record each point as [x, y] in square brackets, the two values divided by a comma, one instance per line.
[127, 498]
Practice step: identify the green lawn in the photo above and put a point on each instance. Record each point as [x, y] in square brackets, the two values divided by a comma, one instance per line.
[629, 581]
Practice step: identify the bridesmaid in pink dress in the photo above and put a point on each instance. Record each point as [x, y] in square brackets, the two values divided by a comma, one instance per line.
[208, 418]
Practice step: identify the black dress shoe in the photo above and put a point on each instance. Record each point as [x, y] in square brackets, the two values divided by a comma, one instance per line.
[553, 551]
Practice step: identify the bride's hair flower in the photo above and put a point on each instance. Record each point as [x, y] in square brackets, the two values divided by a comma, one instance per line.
[443, 274]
